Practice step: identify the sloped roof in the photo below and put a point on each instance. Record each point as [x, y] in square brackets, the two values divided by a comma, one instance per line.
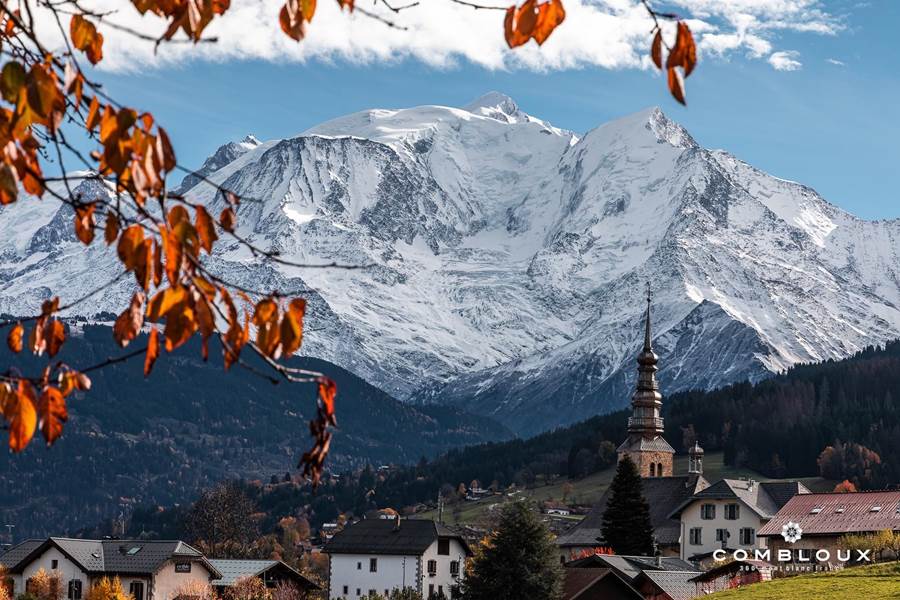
[764, 499]
[663, 495]
[732, 566]
[838, 513]
[634, 444]
[16, 553]
[383, 536]
[678, 585]
[630, 567]
[115, 556]
[578, 581]
[234, 569]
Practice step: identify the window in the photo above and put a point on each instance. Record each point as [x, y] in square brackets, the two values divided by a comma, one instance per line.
[454, 568]
[722, 535]
[346, 590]
[371, 593]
[373, 565]
[440, 591]
[659, 471]
[732, 512]
[75, 589]
[432, 568]
[54, 564]
[133, 550]
[652, 470]
[359, 566]
[430, 591]
[708, 511]
[137, 590]
[358, 592]
[696, 536]
[748, 536]
[444, 547]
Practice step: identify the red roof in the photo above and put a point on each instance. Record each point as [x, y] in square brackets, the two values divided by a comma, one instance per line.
[823, 514]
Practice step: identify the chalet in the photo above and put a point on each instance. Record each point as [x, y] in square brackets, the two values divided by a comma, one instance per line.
[666, 585]
[732, 574]
[653, 455]
[272, 572]
[597, 584]
[379, 556]
[728, 514]
[824, 519]
[631, 568]
[149, 570]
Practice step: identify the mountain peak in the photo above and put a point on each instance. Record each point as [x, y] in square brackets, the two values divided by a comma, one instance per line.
[250, 141]
[496, 105]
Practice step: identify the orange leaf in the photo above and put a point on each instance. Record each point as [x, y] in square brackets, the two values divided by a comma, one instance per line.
[164, 147]
[206, 229]
[515, 31]
[128, 324]
[226, 219]
[656, 49]
[308, 9]
[73, 380]
[53, 413]
[84, 222]
[174, 255]
[327, 393]
[684, 54]
[111, 230]
[9, 189]
[550, 15]
[55, 335]
[14, 339]
[180, 326]
[265, 317]
[86, 38]
[291, 22]
[130, 240]
[164, 301]
[22, 417]
[37, 341]
[675, 85]
[292, 326]
[152, 351]
[346, 4]
[93, 117]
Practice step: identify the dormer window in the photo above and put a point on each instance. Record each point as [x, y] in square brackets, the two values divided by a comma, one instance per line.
[875, 509]
[839, 509]
[816, 510]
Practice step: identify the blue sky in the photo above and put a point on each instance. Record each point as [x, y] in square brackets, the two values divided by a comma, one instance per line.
[832, 126]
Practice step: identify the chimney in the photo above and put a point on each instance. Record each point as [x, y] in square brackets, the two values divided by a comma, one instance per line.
[659, 561]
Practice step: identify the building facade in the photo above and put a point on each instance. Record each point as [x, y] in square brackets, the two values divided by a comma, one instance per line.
[379, 556]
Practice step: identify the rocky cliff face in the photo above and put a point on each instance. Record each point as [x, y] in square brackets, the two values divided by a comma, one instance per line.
[508, 258]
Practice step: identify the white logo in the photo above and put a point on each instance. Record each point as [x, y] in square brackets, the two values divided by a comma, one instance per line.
[791, 532]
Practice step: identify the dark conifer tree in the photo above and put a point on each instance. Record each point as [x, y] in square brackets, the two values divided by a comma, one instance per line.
[626, 522]
[520, 562]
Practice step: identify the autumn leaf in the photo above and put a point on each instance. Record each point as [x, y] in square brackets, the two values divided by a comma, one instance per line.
[206, 229]
[152, 351]
[348, 4]
[292, 326]
[291, 21]
[684, 54]
[37, 341]
[55, 334]
[226, 219]
[111, 230]
[327, 393]
[12, 78]
[550, 15]
[675, 85]
[84, 222]
[128, 324]
[9, 189]
[656, 49]
[519, 23]
[86, 38]
[180, 325]
[22, 416]
[164, 301]
[70, 381]
[14, 338]
[52, 412]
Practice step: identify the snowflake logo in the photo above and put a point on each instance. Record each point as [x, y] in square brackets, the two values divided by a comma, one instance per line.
[791, 532]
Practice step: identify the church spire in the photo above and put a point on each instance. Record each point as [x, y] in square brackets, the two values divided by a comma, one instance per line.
[647, 328]
[646, 400]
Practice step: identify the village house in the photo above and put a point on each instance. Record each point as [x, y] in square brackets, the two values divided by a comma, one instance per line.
[824, 519]
[653, 455]
[597, 584]
[732, 574]
[272, 573]
[729, 514]
[149, 570]
[379, 556]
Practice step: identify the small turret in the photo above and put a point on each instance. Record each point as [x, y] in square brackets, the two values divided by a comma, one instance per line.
[695, 460]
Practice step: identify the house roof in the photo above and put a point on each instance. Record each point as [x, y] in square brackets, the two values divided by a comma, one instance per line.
[663, 495]
[383, 536]
[678, 585]
[629, 567]
[824, 514]
[635, 444]
[578, 581]
[764, 499]
[732, 566]
[114, 556]
[234, 569]
[16, 553]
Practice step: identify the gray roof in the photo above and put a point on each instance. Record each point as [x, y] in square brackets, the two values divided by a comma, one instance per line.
[629, 567]
[16, 553]
[579, 581]
[677, 584]
[114, 556]
[384, 536]
[765, 499]
[234, 569]
[663, 495]
[635, 443]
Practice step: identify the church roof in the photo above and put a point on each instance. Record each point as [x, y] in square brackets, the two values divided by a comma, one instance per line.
[657, 444]
[663, 495]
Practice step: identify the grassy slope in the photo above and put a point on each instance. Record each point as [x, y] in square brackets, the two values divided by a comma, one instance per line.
[589, 489]
[875, 582]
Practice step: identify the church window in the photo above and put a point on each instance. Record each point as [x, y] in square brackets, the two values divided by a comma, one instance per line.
[652, 470]
[659, 471]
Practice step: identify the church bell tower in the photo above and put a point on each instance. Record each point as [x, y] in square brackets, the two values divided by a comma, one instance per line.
[645, 444]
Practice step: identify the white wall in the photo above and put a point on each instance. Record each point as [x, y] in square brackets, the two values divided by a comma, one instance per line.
[442, 580]
[66, 569]
[352, 570]
[690, 518]
[167, 581]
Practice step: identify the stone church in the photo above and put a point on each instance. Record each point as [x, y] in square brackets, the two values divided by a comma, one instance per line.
[653, 455]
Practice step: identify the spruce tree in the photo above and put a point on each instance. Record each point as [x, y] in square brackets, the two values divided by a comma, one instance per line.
[626, 523]
[520, 561]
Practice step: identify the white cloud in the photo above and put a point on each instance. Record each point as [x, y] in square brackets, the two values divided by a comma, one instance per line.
[836, 62]
[612, 34]
[785, 61]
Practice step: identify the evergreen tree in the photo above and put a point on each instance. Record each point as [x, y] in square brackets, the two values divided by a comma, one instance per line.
[626, 522]
[520, 561]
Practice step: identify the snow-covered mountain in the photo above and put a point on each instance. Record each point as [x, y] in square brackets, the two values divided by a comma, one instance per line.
[508, 258]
